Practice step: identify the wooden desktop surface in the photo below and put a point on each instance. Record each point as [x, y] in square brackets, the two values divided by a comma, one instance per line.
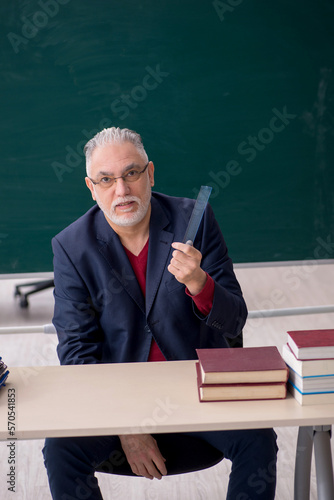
[54, 401]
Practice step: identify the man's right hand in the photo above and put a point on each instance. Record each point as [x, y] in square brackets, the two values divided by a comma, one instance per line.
[143, 455]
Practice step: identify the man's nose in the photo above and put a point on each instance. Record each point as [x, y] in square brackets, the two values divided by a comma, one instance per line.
[122, 188]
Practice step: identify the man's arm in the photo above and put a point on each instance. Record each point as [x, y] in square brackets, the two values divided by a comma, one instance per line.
[190, 265]
[74, 316]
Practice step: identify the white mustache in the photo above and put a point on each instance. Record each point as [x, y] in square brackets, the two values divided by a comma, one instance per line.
[124, 199]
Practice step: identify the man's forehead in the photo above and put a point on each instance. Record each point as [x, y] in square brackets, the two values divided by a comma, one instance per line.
[115, 155]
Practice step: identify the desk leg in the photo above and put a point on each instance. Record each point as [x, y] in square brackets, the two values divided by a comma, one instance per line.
[323, 462]
[303, 463]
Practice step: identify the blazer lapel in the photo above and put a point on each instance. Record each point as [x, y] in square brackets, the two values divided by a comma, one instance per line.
[112, 250]
[159, 252]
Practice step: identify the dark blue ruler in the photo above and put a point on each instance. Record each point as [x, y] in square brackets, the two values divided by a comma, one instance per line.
[197, 214]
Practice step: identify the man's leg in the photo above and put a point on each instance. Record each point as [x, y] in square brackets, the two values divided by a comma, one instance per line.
[71, 462]
[253, 454]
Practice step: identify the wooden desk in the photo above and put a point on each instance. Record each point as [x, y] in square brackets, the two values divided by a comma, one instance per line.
[55, 401]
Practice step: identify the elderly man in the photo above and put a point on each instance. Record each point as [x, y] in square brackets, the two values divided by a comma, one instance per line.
[127, 290]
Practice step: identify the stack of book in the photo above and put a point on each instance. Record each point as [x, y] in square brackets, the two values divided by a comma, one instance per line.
[3, 372]
[309, 355]
[245, 373]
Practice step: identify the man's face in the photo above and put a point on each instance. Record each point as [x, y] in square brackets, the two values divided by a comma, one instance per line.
[123, 203]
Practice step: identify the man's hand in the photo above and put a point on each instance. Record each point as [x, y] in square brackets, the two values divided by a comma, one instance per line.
[143, 455]
[185, 265]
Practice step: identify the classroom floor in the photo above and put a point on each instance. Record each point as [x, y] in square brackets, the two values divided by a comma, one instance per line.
[308, 284]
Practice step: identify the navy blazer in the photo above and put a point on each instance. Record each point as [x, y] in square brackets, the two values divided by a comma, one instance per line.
[101, 315]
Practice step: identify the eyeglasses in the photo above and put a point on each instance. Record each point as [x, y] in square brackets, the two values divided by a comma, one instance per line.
[130, 176]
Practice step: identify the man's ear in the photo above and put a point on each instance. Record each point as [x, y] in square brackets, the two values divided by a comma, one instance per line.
[151, 172]
[90, 186]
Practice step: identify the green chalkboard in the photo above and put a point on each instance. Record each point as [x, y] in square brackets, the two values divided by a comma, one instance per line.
[238, 94]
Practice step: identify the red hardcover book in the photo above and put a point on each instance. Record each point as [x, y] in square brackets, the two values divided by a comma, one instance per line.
[238, 392]
[312, 344]
[242, 365]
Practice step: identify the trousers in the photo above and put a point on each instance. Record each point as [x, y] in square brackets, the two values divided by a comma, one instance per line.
[71, 463]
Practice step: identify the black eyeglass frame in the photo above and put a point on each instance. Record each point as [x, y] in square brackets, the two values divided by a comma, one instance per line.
[124, 177]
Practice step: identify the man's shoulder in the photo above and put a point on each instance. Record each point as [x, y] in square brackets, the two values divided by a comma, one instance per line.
[172, 203]
[81, 225]
[178, 208]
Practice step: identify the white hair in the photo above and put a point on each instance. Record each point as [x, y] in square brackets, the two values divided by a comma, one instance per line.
[113, 135]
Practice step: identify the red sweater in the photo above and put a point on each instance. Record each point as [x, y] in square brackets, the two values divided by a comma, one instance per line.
[202, 300]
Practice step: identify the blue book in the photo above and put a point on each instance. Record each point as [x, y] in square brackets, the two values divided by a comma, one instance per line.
[4, 372]
[311, 398]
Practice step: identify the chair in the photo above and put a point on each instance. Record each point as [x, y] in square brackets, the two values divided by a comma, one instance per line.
[34, 288]
[183, 453]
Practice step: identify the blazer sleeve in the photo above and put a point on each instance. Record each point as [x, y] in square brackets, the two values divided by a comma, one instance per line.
[80, 339]
[229, 312]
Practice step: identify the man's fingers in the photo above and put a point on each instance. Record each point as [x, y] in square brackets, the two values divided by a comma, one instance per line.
[179, 257]
[160, 465]
[149, 470]
[134, 469]
[184, 263]
[153, 471]
[157, 467]
[185, 248]
[184, 254]
[142, 471]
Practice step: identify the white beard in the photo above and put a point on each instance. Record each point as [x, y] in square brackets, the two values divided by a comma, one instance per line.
[130, 217]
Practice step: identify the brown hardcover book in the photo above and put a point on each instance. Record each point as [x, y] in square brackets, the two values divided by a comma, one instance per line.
[238, 392]
[242, 365]
[312, 344]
